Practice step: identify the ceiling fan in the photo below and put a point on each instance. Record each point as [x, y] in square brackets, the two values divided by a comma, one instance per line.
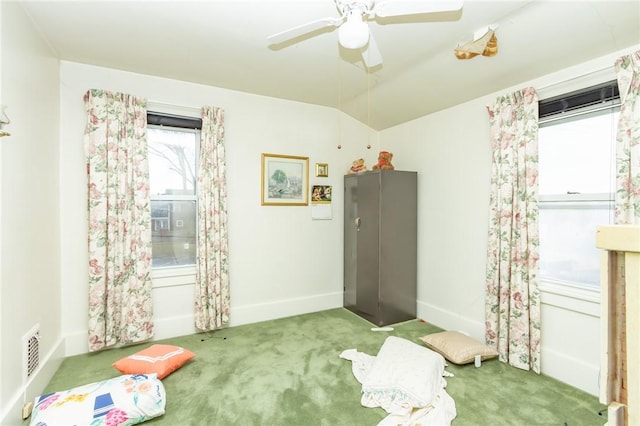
[353, 31]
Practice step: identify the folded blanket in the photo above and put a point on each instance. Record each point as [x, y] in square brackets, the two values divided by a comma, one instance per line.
[406, 380]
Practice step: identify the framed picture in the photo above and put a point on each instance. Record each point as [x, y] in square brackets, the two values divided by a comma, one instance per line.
[322, 170]
[285, 180]
[321, 194]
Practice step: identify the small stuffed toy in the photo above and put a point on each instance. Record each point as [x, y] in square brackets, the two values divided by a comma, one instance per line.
[384, 161]
[358, 166]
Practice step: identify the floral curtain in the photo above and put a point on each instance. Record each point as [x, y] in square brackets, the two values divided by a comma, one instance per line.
[212, 271]
[512, 296]
[628, 141]
[120, 305]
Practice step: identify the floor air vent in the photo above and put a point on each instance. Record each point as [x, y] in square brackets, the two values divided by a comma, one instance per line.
[31, 344]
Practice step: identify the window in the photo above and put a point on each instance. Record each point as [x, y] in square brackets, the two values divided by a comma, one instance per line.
[576, 182]
[173, 148]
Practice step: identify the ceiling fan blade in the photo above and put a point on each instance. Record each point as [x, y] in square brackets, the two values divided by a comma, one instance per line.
[371, 54]
[413, 7]
[304, 29]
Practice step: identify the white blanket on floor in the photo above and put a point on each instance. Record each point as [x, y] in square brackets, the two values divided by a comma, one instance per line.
[406, 380]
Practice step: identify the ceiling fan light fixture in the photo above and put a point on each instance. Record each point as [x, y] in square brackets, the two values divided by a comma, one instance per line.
[353, 27]
[354, 34]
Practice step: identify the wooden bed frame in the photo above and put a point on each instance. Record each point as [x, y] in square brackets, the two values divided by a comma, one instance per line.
[620, 322]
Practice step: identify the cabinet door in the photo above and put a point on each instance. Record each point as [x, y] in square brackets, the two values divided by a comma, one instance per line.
[368, 243]
[350, 240]
[398, 242]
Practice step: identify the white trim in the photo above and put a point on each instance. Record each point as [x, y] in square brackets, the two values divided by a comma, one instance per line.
[571, 297]
[449, 320]
[196, 132]
[173, 197]
[572, 371]
[572, 290]
[182, 325]
[599, 76]
[574, 198]
[575, 291]
[167, 108]
[170, 277]
[249, 314]
[34, 386]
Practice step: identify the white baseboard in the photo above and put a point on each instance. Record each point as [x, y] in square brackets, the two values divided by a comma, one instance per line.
[49, 364]
[250, 314]
[182, 325]
[448, 320]
[572, 371]
[569, 370]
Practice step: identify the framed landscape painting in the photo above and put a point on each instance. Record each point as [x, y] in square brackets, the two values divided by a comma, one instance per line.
[285, 180]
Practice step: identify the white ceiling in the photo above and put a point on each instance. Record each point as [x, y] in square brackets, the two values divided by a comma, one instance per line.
[223, 43]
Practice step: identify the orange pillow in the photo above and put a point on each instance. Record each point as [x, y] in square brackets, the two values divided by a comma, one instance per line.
[160, 359]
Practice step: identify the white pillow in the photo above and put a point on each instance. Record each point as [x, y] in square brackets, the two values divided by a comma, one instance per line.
[123, 400]
[403, 375]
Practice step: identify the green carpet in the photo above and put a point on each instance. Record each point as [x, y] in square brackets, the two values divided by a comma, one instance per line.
[288, 372]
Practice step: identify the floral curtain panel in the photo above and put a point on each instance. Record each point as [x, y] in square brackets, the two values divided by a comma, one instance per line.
[212, 271]
[120, 304]
[628, 141]
[512, 296]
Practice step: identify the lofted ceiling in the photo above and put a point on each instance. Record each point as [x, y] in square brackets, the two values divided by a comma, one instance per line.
[223, 43]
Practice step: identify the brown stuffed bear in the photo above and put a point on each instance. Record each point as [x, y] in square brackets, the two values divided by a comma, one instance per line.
[384, 161]
[358, 166]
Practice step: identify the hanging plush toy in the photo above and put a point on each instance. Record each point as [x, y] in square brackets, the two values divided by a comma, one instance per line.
[484, 43]
[384, 161]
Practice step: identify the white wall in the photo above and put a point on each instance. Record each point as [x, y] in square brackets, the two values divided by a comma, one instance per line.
[2, 390]
[29, 196]
[281, 262]
[452, 154]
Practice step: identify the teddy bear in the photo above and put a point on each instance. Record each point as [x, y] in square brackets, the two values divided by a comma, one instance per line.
[384, 161]
[358, 166]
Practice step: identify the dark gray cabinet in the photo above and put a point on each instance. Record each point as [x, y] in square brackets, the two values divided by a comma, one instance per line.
[380, 245]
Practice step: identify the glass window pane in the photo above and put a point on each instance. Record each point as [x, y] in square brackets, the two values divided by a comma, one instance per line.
[173, 233]
[172, 161]
[568, 242]
[578, 155]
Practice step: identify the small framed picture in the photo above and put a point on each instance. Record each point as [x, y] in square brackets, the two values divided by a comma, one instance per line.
[322, 170]
[321, 194]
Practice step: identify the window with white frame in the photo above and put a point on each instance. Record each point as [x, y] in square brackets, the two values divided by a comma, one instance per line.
[173, 146]
[577, 138]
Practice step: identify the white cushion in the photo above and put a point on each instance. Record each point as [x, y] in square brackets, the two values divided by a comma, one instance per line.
[123, 400]
[457, 347]
[403, 375]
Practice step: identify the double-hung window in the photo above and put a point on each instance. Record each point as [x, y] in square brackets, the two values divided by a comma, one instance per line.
[576, 182]
[173, 155]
